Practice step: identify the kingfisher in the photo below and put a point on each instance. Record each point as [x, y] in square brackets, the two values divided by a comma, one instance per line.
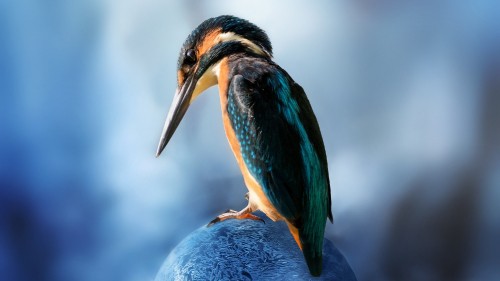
[269, 123]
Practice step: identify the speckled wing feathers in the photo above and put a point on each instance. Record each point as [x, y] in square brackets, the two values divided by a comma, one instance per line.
[282, 147]
[269, 146]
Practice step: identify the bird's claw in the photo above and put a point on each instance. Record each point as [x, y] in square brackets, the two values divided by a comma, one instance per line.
[232, 214]
[214, 221]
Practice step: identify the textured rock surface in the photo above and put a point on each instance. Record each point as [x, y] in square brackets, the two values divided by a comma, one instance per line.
[247, 250]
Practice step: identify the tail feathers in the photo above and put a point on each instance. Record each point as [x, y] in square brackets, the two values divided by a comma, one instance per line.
[314, 258]
[312, 249]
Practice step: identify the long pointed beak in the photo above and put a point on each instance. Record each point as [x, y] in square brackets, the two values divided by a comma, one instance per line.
[177, 110]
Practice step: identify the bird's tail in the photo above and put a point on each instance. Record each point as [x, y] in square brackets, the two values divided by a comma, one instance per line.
[311, 249]
[313, 257]
[313, 253]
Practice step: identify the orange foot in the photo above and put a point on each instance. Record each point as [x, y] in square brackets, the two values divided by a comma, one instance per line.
[246, 213]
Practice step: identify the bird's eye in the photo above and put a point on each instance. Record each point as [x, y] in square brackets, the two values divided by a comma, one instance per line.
[190, 57]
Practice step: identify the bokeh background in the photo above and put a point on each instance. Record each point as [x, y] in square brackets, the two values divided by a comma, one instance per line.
[407, 94]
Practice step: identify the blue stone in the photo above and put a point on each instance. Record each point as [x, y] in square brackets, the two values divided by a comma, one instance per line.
[248, 250]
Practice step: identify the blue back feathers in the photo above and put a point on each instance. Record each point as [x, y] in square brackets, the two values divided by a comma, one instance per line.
[282, 147]
[314, 176]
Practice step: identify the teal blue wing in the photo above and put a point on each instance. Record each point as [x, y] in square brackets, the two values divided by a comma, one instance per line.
[270, 147]
[282, 147]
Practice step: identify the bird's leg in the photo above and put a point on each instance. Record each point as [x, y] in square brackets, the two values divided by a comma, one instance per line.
[246, 213]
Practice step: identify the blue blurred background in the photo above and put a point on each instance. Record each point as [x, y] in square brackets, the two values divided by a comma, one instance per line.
[407, 94]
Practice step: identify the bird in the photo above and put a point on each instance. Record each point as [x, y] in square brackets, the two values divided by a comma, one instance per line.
[269, 123]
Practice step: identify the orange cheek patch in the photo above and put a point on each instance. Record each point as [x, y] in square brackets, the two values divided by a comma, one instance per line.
[208, 42]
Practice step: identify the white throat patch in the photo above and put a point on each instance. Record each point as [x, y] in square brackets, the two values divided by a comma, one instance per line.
[207, 80]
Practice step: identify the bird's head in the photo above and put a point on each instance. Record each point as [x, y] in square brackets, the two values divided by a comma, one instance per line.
[198, 65]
